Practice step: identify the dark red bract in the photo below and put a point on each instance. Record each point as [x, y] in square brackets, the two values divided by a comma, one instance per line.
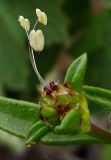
[49, 89]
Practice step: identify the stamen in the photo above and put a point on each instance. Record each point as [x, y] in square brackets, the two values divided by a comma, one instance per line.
[32, 58]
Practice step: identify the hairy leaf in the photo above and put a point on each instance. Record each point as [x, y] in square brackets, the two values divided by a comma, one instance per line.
[17, 117]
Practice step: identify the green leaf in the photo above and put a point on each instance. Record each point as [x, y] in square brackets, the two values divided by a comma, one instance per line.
[76, 71]
[53, 139]
[99, 96]
[17, 117]
[36, 132]
[70, 123]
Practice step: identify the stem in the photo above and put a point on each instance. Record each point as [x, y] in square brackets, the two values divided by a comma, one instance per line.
[100, 132]
[109, 121]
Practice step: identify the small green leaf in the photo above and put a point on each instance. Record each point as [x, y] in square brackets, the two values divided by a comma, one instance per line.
[36, 132]
[17, 117]
[53, 139]
[98, 95]
[76, 71]
[70, 123]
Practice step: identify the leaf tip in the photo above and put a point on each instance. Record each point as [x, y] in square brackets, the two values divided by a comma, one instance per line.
[84, 56]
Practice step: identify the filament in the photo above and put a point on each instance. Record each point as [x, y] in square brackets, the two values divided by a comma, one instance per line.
[32, 58]
[35, 24]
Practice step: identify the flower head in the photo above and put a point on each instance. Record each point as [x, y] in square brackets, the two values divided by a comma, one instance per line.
[42, 18]
[61, 98]
[36, 40]
[24, 23]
